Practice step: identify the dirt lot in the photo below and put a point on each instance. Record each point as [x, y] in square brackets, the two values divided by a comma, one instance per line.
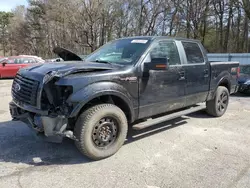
[192, 151]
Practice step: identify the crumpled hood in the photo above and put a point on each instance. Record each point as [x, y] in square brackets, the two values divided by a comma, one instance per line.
[66, 54]
[243, 78]
[68, 68]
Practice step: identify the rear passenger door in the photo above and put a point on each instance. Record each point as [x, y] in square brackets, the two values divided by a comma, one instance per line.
[197, 73]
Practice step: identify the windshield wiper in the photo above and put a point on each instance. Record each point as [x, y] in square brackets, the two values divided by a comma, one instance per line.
[100, 61]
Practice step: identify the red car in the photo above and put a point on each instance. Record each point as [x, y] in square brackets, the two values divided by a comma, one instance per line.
[10, 65]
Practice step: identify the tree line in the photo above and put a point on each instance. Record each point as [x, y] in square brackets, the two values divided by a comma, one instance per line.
[84, 25]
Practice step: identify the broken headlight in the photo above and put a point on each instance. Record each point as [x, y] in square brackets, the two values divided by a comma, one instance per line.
[49, 76]
[247, 82]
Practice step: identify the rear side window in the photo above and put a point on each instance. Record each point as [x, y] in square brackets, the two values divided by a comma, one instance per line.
[193, 53]
[166, 49]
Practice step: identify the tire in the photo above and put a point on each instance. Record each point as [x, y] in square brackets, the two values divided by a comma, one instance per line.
[218, 106]
[100, 125]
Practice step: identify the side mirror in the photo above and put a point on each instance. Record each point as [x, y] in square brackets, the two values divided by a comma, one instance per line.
[4, 63]
[156, 64]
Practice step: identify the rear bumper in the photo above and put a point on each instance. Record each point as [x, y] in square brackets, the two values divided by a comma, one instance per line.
[47, 128]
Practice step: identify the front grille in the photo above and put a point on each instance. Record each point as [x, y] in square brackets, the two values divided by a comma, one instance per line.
[24, 90]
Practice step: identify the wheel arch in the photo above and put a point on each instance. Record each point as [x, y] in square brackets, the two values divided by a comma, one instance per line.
[93, 95]
[226, 83]
[110, 98]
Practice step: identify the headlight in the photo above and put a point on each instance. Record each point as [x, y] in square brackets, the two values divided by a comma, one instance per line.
[49, 76]
[247, 82]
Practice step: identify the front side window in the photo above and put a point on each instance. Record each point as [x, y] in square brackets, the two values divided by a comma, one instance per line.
[166, 49]
[193, 53]
[123, 51]
[18, 61]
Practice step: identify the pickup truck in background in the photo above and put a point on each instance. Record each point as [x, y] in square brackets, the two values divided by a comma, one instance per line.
[137, 81]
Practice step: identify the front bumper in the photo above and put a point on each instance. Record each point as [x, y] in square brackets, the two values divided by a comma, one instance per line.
[48, 128]
[29, 108]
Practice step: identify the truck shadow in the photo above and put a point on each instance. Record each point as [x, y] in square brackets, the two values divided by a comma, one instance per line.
[135, 135]
[240, 95]
[19, 145]
[6, 78]
[200, 115]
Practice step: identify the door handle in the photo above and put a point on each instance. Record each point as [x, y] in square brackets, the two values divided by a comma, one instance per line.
[182, 75]
[206, 73]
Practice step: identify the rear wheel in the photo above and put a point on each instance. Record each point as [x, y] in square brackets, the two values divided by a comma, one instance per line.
[218, 106]
[100, 131]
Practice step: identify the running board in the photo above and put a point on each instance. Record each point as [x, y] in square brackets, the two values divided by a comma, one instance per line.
[168, 117]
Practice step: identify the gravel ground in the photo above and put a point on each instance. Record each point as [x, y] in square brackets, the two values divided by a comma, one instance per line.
[192, 151]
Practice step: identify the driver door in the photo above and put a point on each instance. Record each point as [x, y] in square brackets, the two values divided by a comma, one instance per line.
[162, 90]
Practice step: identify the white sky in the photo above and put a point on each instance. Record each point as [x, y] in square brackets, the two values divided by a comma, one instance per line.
[7, 5]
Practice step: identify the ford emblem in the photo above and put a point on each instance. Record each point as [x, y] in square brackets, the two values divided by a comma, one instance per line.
[17, 87]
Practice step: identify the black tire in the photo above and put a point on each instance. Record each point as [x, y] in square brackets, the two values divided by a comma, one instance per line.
[88, 138]
[218, 106]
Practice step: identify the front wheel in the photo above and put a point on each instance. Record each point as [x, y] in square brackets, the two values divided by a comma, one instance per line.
[101, 131]
[218, 106]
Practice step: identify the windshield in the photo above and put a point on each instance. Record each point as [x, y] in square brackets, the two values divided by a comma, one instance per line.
[245, 70]
[123, 51]
[3, 59]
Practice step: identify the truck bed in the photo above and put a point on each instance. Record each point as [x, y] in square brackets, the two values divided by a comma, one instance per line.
[224, 70]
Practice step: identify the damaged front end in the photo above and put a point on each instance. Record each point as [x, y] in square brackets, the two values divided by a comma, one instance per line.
[43, 107]
[40, 93]
[51, 129]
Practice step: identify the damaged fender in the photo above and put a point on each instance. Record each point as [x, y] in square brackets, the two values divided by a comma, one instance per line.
[92, 91]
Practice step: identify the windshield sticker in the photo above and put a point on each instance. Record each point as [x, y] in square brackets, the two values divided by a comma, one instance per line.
[139, 41]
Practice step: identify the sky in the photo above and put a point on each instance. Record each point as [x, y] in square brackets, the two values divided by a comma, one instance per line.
[7, 5]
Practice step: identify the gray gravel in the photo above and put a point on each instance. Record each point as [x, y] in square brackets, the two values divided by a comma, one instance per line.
[192, 151]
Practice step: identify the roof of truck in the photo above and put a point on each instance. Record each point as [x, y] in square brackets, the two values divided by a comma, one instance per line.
[159, 37]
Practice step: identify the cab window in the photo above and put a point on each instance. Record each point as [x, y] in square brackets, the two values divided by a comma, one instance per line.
[166, 49]
[193, 53]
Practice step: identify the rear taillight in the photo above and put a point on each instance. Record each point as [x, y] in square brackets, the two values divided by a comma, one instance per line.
[238, 72]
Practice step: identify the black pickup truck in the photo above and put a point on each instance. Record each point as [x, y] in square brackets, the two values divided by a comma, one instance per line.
[137, 81]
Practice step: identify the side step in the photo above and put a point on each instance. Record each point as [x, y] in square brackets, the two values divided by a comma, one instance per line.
[168, 117]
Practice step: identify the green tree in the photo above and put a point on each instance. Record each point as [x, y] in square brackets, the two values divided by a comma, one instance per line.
[246, 6]
[84, 25]
[4, 34]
